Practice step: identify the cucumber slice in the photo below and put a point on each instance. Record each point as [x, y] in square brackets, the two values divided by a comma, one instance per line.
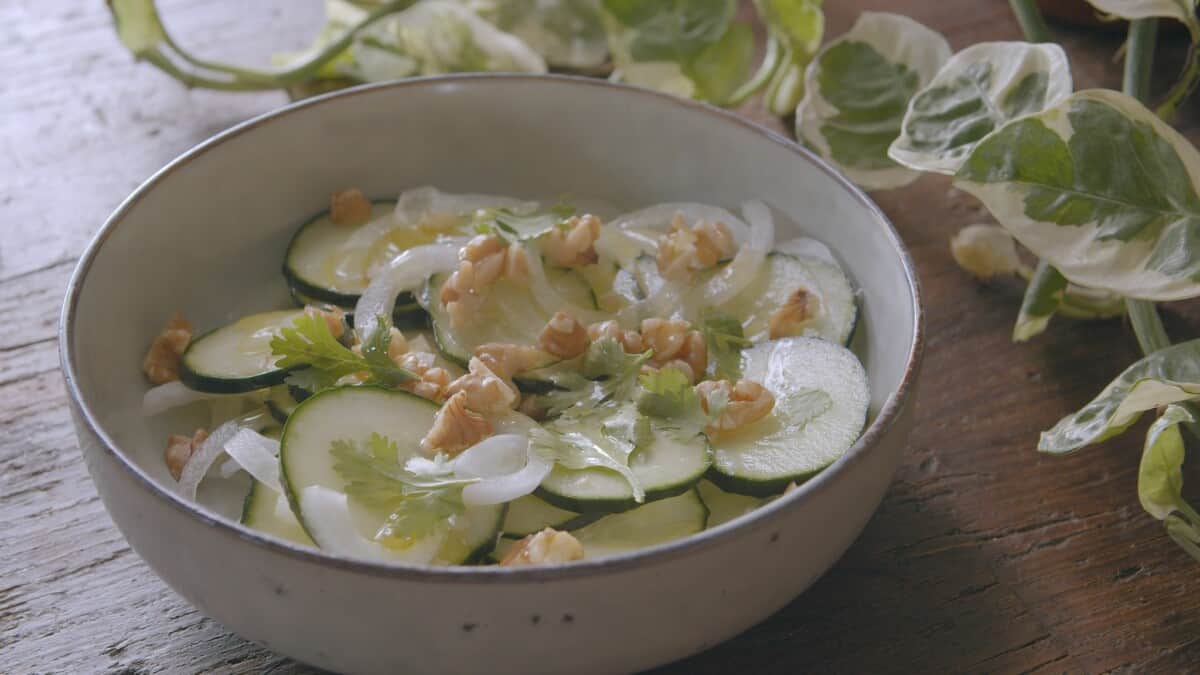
[530, 514]
[321, 264]
[236, 357]
[354, 413]
[648, 525]
[406, 315]
[665, 465]
[510, 314]
[281, 402]
[725, 506]
[268, 511]
[782, 274]
[821, 398]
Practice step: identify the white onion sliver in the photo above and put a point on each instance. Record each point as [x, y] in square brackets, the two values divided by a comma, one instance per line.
[746, 264]
[204, 456]
[406, 272]
[659, 217]
[503, 489]
[493, 456]
[258, 455]
[807, 247]
[548, 298]
[327, 519]
[228, 468]
[414, 205]
[175, 394]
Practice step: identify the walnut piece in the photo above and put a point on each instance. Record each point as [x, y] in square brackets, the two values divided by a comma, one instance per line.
[455, 428]
[564, 336]
[335, 318]
[684, 250]
[484, 260]
[674, 340]
[506, 360]
[485, 391]
[796, 314]
[747, 402]
[630, 340]
[179, 451]
[574, 244]
[161, 364]
[349, 207]
[548, 547]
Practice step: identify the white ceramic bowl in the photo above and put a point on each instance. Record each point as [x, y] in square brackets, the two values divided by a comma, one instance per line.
[206, 235]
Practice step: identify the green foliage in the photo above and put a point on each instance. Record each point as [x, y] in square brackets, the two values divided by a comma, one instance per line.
[308, 344]
[725, 340]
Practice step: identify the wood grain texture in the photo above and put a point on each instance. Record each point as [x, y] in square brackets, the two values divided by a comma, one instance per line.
[984, 557]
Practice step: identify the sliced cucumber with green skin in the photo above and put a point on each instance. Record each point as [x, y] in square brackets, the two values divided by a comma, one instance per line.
[353, 414]
[725, 506]
[281, 402]
[782, 274]
[510, 313]
[665, 465]
[530, 514]
[821, 398]
[236, 357]
[649, 525]
[269, 512]
[406, 315]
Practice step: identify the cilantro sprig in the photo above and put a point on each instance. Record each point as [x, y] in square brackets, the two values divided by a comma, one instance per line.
[725, 340]
[309, 346]
[514, 227]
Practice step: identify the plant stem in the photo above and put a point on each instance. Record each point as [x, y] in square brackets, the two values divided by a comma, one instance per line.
[1184, 87]
[1139, 58]
[1030, 18]
[1147, 325]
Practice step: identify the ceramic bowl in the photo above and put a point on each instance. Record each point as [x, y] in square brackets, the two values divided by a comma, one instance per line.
[206, 234]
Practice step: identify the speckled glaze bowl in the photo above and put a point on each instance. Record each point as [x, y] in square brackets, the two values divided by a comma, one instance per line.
[206, 234]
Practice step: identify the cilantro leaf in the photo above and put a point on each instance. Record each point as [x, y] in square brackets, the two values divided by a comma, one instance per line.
[607, 373]
[577, 446]
[668, 397]
[309, 344]
[417, 502]
[725, 340]
[517, 228]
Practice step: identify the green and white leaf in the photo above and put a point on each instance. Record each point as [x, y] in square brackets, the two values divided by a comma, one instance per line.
[1160, 475]
[567, 33]
[1102, 189]
[138, 25]
[434, 37]
[976, 92]
[1170, 375]
[1181, 10]
[1043, 297]
[799, 26]
[857, 90]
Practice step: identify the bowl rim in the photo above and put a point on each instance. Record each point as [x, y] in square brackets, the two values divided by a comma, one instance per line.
[758, 519]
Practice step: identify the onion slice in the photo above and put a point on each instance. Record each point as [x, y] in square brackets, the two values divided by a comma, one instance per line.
[547, 297]
[175, 394]
[506, 466]
[328, 521]
[807, 247]
[426, 201]
[257, 455]
[406, 272]
[659, 216]
[730, 281]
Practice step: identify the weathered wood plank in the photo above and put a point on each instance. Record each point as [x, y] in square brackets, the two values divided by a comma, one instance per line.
[984, 557]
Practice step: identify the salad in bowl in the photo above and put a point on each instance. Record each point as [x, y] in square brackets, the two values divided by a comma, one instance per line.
[483, 379]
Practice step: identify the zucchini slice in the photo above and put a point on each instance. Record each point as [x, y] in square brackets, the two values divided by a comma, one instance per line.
[511, 313]
[648, 525]
[269, 512]
[324, 262]
[821, 398]
[310, 479]
[725, 506]
[782, 274]
[665, 465]
[236, 357]
[406, 315]
[282, 401]
[530, 514]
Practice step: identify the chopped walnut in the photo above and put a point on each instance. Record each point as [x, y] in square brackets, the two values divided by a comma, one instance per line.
[334, 317]
[161, 364]
[482, 261]
[631, 340]
[506, 360]
[530, 408]
[397, 344]
[180, 449]
[683, 250]
[574, 244]
[485, 391]
[516, 265]
[674, 340]
[747, 402]
[796, 313]
[564, 336]
[455, 427]
[547, 547]
[433, 380]
[677, 364]
[349, 207]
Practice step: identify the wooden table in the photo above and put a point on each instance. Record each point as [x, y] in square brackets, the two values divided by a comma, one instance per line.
[985, 555]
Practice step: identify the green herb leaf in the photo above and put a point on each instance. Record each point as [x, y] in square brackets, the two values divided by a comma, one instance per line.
[668, 397]
[1160, 480]
[606, 441]
[725, 340]
[857, 90]
[976, 92]
[309, 344]
[518, 228]
[418, 503]
[382, 368]
[1170, 375]
[606, 373]
[1102, 189]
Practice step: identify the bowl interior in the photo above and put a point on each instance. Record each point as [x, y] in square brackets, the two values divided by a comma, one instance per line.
[207, 235]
